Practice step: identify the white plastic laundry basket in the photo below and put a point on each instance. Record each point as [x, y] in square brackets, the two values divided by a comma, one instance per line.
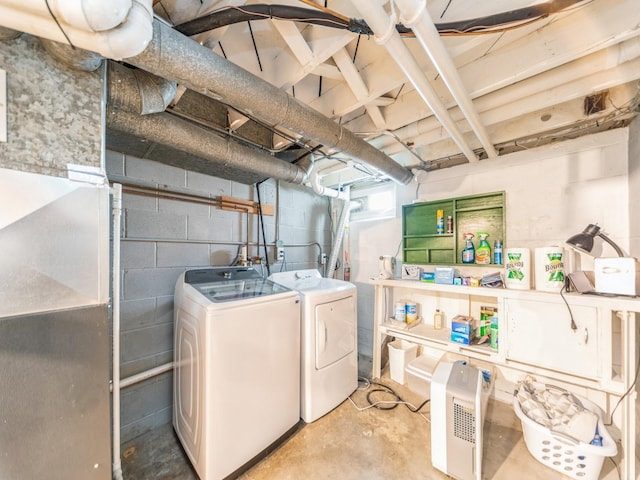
[562, 453]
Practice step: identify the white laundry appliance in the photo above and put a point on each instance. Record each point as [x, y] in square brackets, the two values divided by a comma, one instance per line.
[237, 367]
[329, 351]
[459, 394]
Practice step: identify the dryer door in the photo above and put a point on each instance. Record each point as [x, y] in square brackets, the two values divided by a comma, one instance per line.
[335, 330]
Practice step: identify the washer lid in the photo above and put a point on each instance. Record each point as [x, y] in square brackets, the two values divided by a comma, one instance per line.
[232, 290]
[310, 280]
[227, 284]
[219, 274]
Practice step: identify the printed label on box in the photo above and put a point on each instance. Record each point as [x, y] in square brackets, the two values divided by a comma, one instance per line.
[460, 338]
[486, 313]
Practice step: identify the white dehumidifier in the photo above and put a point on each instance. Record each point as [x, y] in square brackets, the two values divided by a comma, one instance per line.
[457, 411]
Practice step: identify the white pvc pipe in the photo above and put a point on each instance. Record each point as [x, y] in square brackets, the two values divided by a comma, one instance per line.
[140, 377]
[312, 175]
[416, 16]
[387, 35]
[115, 299]
[530, 90]
[127, 39]
[90, 15]
[335, 250]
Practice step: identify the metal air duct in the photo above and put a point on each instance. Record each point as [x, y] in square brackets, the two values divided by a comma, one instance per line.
[7, 34]
[138, 91]
[75, 58]
[176, 57]
[210, 154]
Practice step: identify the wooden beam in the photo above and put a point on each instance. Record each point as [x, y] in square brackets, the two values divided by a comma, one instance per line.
[246, 206]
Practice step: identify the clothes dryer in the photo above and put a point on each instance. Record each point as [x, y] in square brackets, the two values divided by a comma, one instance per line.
[237, 367]
[329, 352]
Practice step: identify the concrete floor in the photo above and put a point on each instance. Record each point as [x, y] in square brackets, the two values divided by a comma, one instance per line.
[348, 444]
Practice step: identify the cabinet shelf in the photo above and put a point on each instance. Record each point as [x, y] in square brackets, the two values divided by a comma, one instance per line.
[535, 338]
[525, 318]
[431, 235]
[423, 245]
[425, 333]
[477, 209]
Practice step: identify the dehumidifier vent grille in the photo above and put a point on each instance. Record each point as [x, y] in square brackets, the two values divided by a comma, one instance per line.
[464, 425]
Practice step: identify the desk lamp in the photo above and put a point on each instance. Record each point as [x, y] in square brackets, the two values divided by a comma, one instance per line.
[583, 242]
[618, 275]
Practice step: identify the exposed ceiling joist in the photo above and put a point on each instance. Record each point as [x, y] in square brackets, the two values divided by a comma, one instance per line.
[355, 82]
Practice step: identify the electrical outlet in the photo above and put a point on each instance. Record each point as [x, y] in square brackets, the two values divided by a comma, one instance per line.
[280, 254]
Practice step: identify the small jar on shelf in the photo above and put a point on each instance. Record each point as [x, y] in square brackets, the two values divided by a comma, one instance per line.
[437, 319]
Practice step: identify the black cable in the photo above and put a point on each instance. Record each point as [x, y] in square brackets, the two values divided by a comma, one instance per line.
[574, 327]
[488, 24]
[255, 47]
[390, 391]
[445, 9]
[230, 15]
[617, 467]
[532, 12]
[58, 24]
[625, 393]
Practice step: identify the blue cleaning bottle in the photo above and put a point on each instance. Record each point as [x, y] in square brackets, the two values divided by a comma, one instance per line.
[469, 251]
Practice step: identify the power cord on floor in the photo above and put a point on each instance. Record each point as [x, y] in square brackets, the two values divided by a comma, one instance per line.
[617, 467]
[625, 393]
[385, 404]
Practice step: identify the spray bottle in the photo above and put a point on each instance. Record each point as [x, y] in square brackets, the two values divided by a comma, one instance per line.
[483, 254]
[469, 251]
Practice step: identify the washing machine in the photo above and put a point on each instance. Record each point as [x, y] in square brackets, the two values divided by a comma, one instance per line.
[329, 350]
[237, 367]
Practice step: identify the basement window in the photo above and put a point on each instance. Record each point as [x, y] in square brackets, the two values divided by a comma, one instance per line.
[375, 203]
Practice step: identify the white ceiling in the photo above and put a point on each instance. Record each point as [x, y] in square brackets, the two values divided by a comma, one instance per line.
[526, 83]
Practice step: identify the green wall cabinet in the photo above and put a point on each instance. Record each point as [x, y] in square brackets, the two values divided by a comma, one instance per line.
[422, 244]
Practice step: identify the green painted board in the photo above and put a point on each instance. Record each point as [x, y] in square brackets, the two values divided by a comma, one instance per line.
[422, 245]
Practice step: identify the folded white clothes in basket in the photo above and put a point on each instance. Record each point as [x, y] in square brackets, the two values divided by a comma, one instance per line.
[557, 409]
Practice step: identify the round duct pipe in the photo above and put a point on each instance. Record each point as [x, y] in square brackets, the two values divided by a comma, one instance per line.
[138, 91]
[174, 56]
[75, 58]
[169, 130]
[7, 34]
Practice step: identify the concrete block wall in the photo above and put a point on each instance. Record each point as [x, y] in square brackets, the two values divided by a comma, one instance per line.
[163, 237]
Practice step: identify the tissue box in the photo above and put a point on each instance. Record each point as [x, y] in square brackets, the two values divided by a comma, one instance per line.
[462, 324]
[411, 272]
[444, 275]
[462, 338]
[428, 277]
[618, 276]
[463, 329]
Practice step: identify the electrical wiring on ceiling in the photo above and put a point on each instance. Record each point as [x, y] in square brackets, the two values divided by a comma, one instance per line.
[225, 16]
[503, 21]
[322, 16]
